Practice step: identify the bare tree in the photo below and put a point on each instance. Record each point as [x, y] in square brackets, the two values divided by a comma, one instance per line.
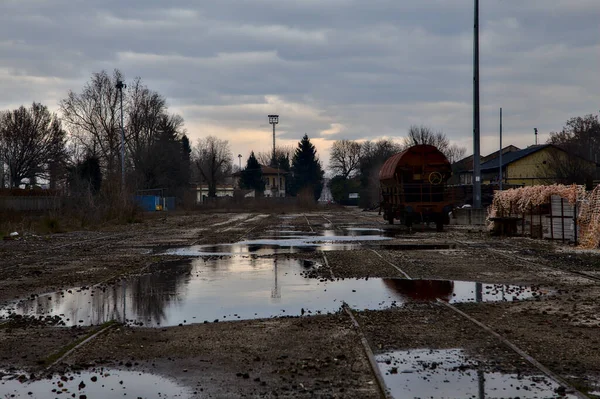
[425, 135]
[345, 157]
[373, 156]
[146, 110]
[568, 168]
[281, 151]
[213, 159]
[31, 141]
[455, 153]
[93, 117]
[580, 136]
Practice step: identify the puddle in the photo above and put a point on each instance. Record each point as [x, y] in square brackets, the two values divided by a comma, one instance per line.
[100, 384]
[460, 291]
[232, 288]
[449, 373]
[291, 242]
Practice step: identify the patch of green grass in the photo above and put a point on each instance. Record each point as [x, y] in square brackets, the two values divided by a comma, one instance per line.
[49, 225]
[61, 352]
[582, 387]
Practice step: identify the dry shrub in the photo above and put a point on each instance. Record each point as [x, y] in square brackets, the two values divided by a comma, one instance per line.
[259, 204]
[306, 197]
[111, 206]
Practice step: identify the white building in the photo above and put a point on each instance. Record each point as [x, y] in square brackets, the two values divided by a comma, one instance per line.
[223, 190]
[274, 181]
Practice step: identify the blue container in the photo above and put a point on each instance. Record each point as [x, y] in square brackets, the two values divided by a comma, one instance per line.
[147, 202]
[169, 203]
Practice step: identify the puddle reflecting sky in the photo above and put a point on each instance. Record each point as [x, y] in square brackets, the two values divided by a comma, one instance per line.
[108, 384]
[449, 373]
[238, 287]
[288, 241]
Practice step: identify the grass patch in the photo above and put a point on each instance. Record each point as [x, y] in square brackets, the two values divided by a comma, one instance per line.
[50, 224]
[51, 359]
[582, 387]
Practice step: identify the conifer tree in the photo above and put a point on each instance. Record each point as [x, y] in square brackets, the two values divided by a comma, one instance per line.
[306, 169]
[251, 177]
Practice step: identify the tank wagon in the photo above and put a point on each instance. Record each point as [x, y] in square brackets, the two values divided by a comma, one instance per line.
[414, 187]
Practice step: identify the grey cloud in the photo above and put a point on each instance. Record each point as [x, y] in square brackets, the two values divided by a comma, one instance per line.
[373, 67]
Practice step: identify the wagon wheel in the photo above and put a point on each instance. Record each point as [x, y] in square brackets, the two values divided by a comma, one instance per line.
[435, 178]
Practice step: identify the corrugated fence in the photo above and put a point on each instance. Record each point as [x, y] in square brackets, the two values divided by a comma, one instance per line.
[31, 203]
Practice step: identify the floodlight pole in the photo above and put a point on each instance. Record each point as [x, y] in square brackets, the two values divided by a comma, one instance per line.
[476, 125]
[240, 160]
[120, 86]
[273, 120]
[500, 155]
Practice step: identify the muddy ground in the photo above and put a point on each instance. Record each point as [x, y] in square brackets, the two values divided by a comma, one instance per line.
[308, 356]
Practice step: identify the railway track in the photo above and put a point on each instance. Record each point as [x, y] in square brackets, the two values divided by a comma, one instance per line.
[527, 261]
[530, 359]
[308, 223]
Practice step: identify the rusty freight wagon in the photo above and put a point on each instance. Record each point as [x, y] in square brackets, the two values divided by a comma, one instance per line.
[413, 187]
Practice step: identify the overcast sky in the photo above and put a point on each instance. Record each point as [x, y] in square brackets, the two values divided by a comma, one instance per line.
[334, 69]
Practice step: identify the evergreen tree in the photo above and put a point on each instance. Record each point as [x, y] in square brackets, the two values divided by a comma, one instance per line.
[252, 178]
[306, 169]
[186, 159]
[283, 163]
[86, 175]
[168, 165]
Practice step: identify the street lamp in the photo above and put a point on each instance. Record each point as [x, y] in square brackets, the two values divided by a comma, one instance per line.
[120, 86]
[273, 120]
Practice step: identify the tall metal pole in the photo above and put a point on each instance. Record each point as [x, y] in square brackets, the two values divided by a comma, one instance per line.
[274, 119]
[501, 175]
[274, 159]
[120, 87]
[476, 126]
[276, 165]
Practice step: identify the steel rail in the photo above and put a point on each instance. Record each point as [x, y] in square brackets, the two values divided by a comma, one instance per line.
[559, 380]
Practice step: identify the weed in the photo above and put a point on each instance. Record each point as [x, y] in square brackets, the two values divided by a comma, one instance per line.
[51, 224]
[51, 359]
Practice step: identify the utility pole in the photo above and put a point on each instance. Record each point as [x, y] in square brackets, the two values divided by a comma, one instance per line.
[273, 120]
[120, 86]
[476, 125]
[500, 156]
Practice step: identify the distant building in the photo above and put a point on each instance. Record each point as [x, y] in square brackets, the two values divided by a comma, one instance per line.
[462, 171]
[274, 181]
[530, 166]
[223, 190]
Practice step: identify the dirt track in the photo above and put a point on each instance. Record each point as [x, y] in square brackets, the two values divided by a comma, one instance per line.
[309, 356]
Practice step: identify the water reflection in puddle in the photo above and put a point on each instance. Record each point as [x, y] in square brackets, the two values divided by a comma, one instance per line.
[100, 384]
[281, 243]
[449, 373]
[237, 287]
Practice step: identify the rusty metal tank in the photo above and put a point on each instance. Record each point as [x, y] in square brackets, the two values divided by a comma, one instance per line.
[413, 186]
